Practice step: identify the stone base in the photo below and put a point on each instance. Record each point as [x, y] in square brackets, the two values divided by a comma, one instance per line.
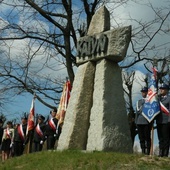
[76, 123]
[109, 130]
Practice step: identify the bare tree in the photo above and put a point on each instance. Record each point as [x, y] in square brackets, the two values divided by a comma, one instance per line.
[128, 81]
[50, 30]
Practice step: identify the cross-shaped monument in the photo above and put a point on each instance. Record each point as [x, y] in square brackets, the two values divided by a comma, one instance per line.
[96, 117]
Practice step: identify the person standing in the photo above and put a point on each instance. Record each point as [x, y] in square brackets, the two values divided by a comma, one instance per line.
[20, 137]
[143, 126]
[1, 131]
[39, 134]
[52, 133]
[7, 141]
[162, 119]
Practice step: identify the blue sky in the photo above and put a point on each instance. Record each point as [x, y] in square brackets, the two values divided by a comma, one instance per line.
[139, 12]
[22, 104]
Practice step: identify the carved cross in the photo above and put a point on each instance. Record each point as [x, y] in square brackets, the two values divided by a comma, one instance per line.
[101, 42]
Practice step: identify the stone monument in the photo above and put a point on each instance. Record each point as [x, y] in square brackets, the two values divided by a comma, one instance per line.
[96, 117]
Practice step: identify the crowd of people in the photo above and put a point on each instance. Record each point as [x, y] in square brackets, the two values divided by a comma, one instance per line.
[162, 121]
[15, 139]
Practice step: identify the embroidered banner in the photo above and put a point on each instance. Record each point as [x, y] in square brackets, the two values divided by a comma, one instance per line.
[151, 107]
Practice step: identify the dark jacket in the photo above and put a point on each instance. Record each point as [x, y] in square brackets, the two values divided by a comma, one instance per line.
[1, 134]
[37, 137]
[17, 137]
[162, 118]
[51, 132]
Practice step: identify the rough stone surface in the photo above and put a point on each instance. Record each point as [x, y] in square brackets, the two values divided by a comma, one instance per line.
[108, 129]
[100, 21]
[118, 42]
[96, 116]
[76, 124]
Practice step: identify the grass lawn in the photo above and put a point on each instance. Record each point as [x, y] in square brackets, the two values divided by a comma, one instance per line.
[78, 160]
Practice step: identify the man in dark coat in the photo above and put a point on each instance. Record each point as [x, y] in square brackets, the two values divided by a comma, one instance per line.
[52, 133]
[162, 120]
[20, 137]
[39, 134]
[143, 126]
[1, 132]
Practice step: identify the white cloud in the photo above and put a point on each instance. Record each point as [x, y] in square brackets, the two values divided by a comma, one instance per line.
[138, 83]
[140, 11]
[3, 23]
[33, 24]
[18, 51]
[131, 12]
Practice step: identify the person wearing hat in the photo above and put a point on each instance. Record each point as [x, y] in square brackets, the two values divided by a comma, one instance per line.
[7, 141]
[39, 134]
[162, 120]
[52, 133]
[143, 126]
[20, 136]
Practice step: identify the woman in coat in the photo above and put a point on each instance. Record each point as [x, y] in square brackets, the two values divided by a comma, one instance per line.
[7, 141]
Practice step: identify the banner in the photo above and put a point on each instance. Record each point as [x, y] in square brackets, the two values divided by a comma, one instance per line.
[63, 102]
[151, 107]
[30, 128]
[31, 119]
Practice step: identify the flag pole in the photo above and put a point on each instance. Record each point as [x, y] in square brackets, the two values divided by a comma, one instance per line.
[28, 147]
[152, 140]
[152, 128]
[29, 133]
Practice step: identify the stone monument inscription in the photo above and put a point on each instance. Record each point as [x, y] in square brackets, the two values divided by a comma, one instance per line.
[96, 117]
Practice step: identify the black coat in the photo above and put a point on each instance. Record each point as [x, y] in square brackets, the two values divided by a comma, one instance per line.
[17, 137]
[1, 134]
[162, 118]
[37, 137]
[51, 132]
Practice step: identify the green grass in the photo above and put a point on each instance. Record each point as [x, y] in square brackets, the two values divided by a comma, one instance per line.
[77, 160]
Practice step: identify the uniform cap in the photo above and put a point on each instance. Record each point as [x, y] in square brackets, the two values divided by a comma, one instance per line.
[144, 89]
[24, 116]
[54, 110]
[164, 86]
[41, 117]
[9, 123]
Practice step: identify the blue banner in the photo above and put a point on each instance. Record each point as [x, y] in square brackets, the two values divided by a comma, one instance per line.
[151, 107]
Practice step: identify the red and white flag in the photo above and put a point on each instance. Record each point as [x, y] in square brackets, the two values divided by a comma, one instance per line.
[63, 102]
[31, 117]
